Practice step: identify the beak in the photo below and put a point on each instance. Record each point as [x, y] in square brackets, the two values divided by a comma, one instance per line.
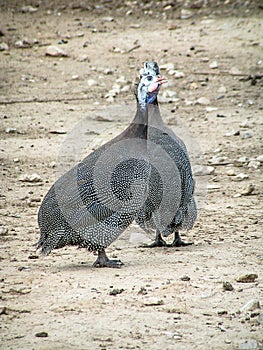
[161, 80]
[157, 82]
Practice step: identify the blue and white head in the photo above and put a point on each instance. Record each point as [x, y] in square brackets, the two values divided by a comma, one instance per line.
[149, 85]
[150, 68]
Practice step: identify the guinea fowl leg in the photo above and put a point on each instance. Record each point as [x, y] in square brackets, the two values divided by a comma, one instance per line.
[104, 261]
[159, 242]
[177, 242]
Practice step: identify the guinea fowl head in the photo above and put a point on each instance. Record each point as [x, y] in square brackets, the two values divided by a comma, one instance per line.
[150, 68]
[149, 85]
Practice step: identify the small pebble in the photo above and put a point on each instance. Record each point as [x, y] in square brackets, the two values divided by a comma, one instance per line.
[227, 286]
[211, 109]
[241, 177]
[222, 328]
[172, 335]
[248, 190]
[242, 160]
[29, 9]
[101, 118]
[185, 278]
[213, 65]
[121, 80]
[116, 291]
[153, 302]
[55, 51]
[108, 71]
[143, 291]
[92, 82]
[200, 170]
[135, 25]
[212, 187]
[33, 257]
[246, 135]
[3, 230]
[233, 133]
[252, 305]
[218, 160]
[235, 71]
[52, 164]
[222, 312]
[24, 268]
[33, 202]
[110, 99]
[83, 58]
[203, 101]
[177, 74]
[125, 88]
[256, 312]
[186, 14]
[248, 278]
[30, 178]
[41, 334]
[4, 310]
[222, 90]
[107, 19]
[4, 47]
[244, 124]
[167, 66]
[169, 93]
[254, 164]
[24, 44]
[10, 130]
[230, 172]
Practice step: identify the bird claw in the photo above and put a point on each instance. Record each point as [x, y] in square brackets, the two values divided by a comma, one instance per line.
[159, 242]
[104, 261]
[179, 243]
[109, 263]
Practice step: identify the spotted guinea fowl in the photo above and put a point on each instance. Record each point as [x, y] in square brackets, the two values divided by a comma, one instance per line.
[170, 205]
[94, 202]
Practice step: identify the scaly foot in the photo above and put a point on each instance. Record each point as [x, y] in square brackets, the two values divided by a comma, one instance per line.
[104, 261]
[159, 242]
[177, 242]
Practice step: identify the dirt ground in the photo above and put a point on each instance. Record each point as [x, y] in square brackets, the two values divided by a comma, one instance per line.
[54, 110]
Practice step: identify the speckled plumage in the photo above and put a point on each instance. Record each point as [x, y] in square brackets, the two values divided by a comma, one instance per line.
[143, 174]
[184, 203]
[77, 210]
[94, 202]
[179, 211]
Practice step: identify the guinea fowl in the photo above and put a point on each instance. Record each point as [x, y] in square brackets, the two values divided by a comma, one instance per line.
[170, 205]
[94, 202]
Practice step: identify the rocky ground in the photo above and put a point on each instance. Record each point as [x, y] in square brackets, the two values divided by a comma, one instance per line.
[67, 75]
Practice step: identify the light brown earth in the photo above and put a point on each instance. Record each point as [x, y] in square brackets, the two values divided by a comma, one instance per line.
[62, 294]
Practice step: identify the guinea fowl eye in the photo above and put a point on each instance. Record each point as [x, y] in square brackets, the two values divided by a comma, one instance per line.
[149, 78]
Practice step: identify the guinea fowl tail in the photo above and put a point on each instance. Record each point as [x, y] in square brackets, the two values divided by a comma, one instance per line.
[51, 240]
[45, 250]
